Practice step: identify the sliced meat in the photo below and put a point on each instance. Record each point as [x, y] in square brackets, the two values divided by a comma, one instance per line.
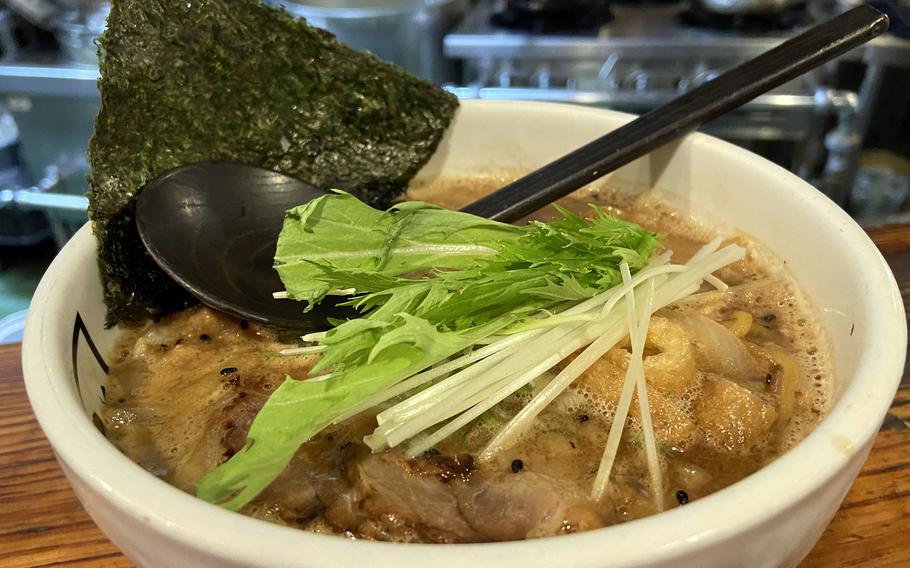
[412, 492]
[524, 505]
[442, 499]
[290, 500]
[239, 414]
[237, 421]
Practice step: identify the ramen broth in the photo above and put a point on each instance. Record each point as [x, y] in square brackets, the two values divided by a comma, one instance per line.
[184, 391]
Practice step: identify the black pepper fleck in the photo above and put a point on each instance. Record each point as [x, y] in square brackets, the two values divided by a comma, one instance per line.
[205, 338]
[227, 371]
[769, 379]
[769, 318]
[244, 324]
[517, 465]
[682, 497]
[583, 417]
[431, 452]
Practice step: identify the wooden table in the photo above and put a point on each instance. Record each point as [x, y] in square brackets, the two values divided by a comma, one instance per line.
[42, 523]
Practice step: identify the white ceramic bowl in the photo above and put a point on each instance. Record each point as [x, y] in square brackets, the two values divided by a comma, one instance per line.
[771, 518]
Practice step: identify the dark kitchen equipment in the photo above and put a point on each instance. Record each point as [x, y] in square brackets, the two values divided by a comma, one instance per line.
[406, 32]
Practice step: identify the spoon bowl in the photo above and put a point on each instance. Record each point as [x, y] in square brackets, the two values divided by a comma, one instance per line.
[212, 227]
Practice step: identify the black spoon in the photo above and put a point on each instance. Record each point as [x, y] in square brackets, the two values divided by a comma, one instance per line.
[212, 226]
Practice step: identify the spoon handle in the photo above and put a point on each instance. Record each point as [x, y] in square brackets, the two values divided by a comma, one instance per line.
[682, 115]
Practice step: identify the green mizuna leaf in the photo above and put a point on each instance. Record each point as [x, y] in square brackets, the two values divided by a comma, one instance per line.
[430, 284]
[340, 233]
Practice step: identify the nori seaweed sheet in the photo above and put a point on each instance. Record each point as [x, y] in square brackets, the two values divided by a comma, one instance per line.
[184, 81]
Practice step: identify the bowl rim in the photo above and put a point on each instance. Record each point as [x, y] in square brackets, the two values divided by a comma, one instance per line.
[183, 518]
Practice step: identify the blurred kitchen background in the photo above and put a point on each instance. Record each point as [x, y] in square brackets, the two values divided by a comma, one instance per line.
[845, 128]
